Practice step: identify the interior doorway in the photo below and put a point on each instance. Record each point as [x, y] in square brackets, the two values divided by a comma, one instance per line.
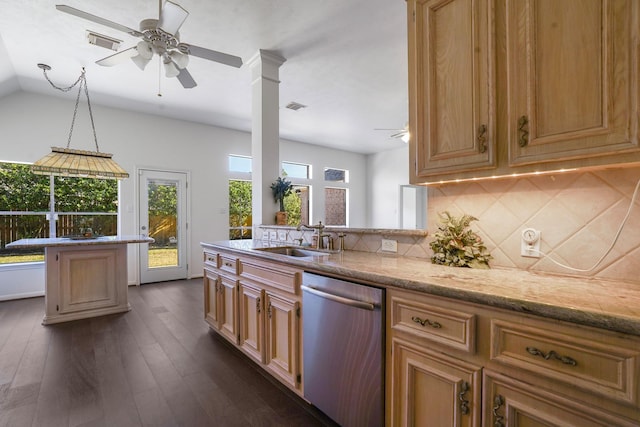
[163, 216]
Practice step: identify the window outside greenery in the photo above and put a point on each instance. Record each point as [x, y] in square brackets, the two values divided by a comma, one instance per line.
[239, 209]
[24, 208]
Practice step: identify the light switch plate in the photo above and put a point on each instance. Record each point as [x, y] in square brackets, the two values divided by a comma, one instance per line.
[273, 235]
[389, 245]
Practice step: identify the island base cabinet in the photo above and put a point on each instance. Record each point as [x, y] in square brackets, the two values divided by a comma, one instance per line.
[512, 403]
[86, 281]
[252, 321]
[433, 389]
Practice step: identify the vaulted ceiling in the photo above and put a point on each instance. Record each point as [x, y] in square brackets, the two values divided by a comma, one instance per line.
[346, 60]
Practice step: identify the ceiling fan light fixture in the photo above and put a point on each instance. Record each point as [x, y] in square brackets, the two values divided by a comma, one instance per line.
[170, 69]
[180, 59]
[144, 50]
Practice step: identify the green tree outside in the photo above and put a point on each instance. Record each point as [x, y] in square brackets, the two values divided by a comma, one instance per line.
[239, 209]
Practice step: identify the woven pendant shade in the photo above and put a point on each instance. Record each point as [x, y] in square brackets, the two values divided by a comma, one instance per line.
[80, 163]
[70, 162]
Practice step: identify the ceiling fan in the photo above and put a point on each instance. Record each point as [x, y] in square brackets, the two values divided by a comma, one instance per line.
[403, 133]
[159, 36]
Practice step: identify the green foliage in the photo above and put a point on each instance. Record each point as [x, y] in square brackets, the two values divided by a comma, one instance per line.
[163, 199]
[74, 194]
[456, 246]
[239, 204]
[281, 188]
[293, 208]
[22, 190]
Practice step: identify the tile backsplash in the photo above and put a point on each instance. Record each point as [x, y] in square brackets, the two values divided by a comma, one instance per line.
[578, 215]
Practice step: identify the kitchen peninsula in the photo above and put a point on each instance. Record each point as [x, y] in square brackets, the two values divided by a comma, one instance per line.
[85, 277]
[482, 346]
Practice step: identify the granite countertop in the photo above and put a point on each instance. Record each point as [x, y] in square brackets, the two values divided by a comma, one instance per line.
[611, 305]
[65, 241]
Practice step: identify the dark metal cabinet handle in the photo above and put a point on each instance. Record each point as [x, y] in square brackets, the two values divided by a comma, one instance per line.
[498, 420]
[523, 129]
[552, 355]
[464, 402]
[424, 322]
[269, 311]
[258, 304]
[482, 138]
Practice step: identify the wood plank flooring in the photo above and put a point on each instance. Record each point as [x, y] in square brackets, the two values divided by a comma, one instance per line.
[157, 365]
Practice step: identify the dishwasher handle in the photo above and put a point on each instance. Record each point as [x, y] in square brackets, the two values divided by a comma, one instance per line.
[342, 300]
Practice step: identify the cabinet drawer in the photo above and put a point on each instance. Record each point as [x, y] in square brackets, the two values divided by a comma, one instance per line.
[590, 360]
[273, 275]
[424, 319]
[212, 259]
[229, 263]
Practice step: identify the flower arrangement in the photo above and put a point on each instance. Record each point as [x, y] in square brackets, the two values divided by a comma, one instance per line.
[456, 246]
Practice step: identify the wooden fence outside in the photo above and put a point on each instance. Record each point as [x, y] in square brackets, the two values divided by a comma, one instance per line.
[35, 225]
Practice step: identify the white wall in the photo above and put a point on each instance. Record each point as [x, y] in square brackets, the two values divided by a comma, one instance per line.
[386, 172]
[30, 124]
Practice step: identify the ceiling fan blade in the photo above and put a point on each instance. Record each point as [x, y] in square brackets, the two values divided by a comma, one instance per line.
[211, 55]
[93, 18]
[172, 17]
[118, 58]
[399, 134]
[185, 79]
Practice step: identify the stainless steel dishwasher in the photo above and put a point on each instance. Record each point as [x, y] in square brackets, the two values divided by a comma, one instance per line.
[343, 338]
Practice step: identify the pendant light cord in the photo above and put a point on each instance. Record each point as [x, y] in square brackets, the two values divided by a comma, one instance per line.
[82, 80]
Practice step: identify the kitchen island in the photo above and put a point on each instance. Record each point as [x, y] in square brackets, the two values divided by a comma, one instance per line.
[85, 277]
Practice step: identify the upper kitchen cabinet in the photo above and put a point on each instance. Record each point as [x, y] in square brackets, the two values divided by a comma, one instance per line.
[572, 73]
[451, 93]
[502, 87]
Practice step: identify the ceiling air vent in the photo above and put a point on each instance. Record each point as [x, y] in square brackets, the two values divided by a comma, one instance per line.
[295, 106]
[103, 41]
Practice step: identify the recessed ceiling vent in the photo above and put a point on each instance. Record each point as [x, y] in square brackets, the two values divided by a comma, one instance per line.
[295, 106]
[103, 41]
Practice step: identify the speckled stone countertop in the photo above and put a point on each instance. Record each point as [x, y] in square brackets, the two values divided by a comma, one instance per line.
[64, 241]
[611, 305]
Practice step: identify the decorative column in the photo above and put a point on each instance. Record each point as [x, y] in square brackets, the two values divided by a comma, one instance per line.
[265, 133]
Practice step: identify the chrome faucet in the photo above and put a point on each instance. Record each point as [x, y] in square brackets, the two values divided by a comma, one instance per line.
[319, 233]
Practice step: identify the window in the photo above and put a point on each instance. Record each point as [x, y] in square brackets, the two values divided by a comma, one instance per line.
[296, 205]
[25, 212]
[336, 175]
[335, 206]
[239, 209]
[240, 164]
[296, 170]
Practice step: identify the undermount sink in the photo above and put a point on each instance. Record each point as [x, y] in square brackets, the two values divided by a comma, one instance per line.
[292, 251]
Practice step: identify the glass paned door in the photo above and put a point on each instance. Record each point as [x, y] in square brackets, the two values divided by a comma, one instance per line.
[163, 217]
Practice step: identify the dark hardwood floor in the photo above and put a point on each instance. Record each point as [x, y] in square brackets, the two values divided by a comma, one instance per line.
[157, 365]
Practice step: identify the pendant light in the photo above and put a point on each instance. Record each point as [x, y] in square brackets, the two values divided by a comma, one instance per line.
[79, 163]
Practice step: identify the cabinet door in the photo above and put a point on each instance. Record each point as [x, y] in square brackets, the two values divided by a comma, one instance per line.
[251, 321]
[211, 298]
[573, 79]
[282, 339]
[451, 92]
[433, 389]
[511, 403]
[228, 308]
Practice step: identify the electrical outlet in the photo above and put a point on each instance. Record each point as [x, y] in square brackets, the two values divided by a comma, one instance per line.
[530, 243]
[389, 245]
[282, 235]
